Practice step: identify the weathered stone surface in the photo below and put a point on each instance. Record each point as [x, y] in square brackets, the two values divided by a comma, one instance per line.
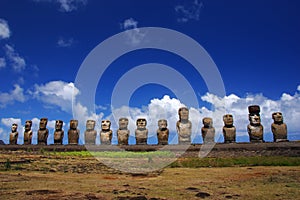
[141, 132]
[105, 133]
[255, 129]
[43, 132]
[90, 133]
[184, 126]
[123, 132]
[28, 132]
[229, 131]
[279, 128]
[58, 133]
[162, 132]
[13, 136]
[73, 132]
[208, 131]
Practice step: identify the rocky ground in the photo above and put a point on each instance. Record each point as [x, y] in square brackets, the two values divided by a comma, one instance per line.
[38, 174]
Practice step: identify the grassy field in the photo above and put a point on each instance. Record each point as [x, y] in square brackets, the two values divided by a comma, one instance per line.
[80, 175]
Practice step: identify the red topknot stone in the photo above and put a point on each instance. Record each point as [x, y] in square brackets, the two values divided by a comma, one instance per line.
[254, 109]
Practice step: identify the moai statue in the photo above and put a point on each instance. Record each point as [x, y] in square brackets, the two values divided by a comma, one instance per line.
[73, 132]
[28, 132]
[123, 132]
[184, 126]
[43, 132]
[255, 129]
[105, 133]
[58, 133]
[13, 136]
[90, 132]
[162, 132]
[279, 129]
[229, 131]
[141, 132]
[208, 131]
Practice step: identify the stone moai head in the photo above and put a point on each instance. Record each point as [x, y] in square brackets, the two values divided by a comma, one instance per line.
[28, 125]
[123, 123]
[59, 124]
[14, 127]
[141, 123]
[90, 124]
[162, 124]
[105, 124]
[207, 122]
[183, 113]
[43, 123]
[254, 116]
[228, 120]
[73, 124]
[277, 117]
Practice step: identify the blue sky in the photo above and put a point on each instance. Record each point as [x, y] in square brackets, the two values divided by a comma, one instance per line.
[254, 44]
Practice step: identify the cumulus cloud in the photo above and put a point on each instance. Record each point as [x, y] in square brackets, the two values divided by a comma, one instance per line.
[17, 94]
[15, 60]
[65, 42]
[58, 93]
[134, 36]
[4, 29]
[2, 63]
[189, 11]
[66, 5]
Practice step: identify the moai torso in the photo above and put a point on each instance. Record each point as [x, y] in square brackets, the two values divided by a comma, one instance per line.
[43, 131]
[279, 128]
[162, 132]
[13, 136]
[229, 131]
[28, 132]
[105, 133]
[208, 131]
[58, 133]
[184, 126]
[255, 129]
[73, 132]
[141, 132]
[123, 132]
[90, 132]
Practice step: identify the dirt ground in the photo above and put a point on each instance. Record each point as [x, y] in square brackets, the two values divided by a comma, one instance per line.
[38, 176]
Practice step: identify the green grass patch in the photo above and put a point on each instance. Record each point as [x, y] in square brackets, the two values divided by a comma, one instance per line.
[241, 162]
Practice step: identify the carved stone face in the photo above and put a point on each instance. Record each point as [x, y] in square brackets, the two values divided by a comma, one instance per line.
[14, 127]
[105, 124]
[254, 119]
[228, 119]
[73, 124]
[141, 123]
[90, 124]
[28, 125]
[183, 113]
[58, 124]
[43, 123]
[207, 122]
[277, 117]
[123, 123]
[162, 124]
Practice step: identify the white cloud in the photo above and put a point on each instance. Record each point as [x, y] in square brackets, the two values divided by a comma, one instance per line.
[189, 11]
[2, 63]
[4, 29]
[65, 43]
[16, 61]
[56, 93]
[298, 88]
[66, 5]
[14, 95]
[134, 36]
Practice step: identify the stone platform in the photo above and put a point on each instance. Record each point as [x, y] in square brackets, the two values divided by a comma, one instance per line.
[193, 150]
